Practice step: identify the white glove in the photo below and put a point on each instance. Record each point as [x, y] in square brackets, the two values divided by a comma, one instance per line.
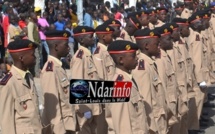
[88, 115]
[203, 84]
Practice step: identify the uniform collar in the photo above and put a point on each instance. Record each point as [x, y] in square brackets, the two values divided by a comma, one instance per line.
[163, 53]
[20, 72]
[85, 50]
[55, 59]
[146, 58]
[102, 46]
[123, 73]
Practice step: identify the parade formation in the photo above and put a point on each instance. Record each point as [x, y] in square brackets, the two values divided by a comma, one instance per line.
[166, 52]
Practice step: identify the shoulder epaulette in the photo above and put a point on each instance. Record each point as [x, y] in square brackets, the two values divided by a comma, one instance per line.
[197, 38]
[80, 54]
[49, 66]
[119, 77]
[122, 35]
[6, 78]
[141, 65]
[97, 50]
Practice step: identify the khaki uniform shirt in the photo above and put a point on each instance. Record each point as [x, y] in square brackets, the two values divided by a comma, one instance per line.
[55, 85]
[130, 117]
[186, 13]
[168, 79]
[179, 67]
[19, 108]
[150, 86]
[198, 53]
[189, 66]
[212, 39]
[83, 67]
[103, 62]
[125, 36]
[13, 31]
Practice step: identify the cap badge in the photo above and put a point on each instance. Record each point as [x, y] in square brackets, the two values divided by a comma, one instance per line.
[108, 29]
[197, 17]
[152, 34]
[113, 22]
[206, 15]
[127, 47]
[30, 45]
[137, 16]
[83, 30]
[165, 30]
[143, 12]
[65, 35]
[171, 27]
[137, 24]
[153, 12]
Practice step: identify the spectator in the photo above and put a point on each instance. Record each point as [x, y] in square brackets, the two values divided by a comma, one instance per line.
[22, 22]
[60, 24]
[14, 30]
[33, 35]
[43, 26]
[88, 18]
[69, 28]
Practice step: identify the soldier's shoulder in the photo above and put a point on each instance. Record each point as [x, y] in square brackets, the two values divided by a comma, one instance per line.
[79, 54]
[49, 67]
[6, 78]
[119, 77]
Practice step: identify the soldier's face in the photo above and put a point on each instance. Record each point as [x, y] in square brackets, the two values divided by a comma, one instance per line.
[108, 38]
[184, 31]
[163, 16]
[130, 60]
[175, 35]
[28, 58]
[88, 40]
[154, 47]
[116, 32]
[166, 42]
[63, 48]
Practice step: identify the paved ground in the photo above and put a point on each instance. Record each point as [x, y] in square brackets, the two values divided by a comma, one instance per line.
[211, 124]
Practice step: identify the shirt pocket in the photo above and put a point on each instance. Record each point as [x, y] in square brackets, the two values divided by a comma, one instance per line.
[64, 83]
[25, 105]
[137, 101]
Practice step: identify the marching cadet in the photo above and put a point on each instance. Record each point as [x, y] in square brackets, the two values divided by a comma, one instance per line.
[178, 10]
[148, 81]
[144, 19]
[152, 18]
[212, 37]
[19, 108]
[187, 12]
[142, 16]
[56, 98]
[179, 67]
[167, 76]
[205, 15]
[131, 27]
[162, 16]
[130, 117]
[116, 25]
[198, 50]
[104, 64]
[195, 108]
[83, 67]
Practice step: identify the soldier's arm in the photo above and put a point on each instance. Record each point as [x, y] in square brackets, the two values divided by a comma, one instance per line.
[197, 48]
[77, 68]
[142, 77]
[51, 100]
[7, 107]
[99, 63]
[120, 118]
